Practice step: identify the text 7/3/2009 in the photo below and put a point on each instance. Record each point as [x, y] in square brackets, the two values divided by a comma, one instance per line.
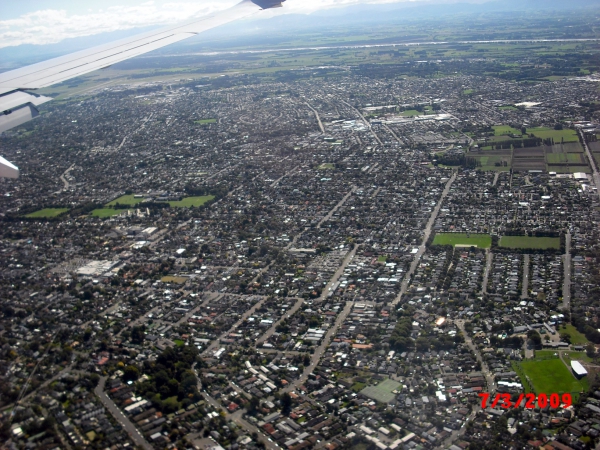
[528, 401]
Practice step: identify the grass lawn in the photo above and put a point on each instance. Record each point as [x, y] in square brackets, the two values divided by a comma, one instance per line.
[205, 121]
[47, 213]
[189, 202]
[552, 376]
[505, 129]
[357, 387]
[546, 133]
[179, 342]
[529, 242]
[382, 259]
[382, 392]
[508, 108]
[468, 91]
[126, 200]
[107, 212]
[577, 338]
[175, 280]
[327, 166]
[411, 112]
[582, 357]
[477, 240]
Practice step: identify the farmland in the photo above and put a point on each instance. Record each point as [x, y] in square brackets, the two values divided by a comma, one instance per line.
[529, 242]
[463, 239]
[566, 135]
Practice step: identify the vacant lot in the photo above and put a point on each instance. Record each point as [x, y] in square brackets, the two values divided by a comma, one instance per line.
[552, 376]
[47, 213]
[126, 200]
[475, 240]
[175, 280]
[189, 202]
[327, 166]
[383, 392]
[529, 242]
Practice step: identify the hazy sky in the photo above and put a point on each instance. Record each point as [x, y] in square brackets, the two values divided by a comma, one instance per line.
[42, 22]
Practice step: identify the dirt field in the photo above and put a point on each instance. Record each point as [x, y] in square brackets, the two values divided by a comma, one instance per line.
[529, 159]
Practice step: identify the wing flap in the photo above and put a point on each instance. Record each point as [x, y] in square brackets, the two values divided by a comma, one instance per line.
[65, 67]
[8, 170]
[18, 98]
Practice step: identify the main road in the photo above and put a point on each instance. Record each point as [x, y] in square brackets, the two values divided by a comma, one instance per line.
[314, 360]
[120, 417]
[489, 377]
[427, 233]
[567, 274]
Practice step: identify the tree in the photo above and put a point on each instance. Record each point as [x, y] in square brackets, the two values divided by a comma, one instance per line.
[590, 350]
[286, 403]
[131, 373]
[565, 337]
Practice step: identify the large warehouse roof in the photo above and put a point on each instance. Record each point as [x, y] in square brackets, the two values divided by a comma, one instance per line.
[578, 368]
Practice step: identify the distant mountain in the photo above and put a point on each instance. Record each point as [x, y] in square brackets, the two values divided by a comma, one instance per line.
[270, 31]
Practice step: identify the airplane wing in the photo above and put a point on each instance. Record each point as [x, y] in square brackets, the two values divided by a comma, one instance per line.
[18, 107]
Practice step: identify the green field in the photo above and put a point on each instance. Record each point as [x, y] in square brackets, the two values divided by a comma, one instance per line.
[189, 202]
[476, 240]
[411, 113]
[529, 242]
[382, 392]
[205, 121]
[557, 135]
[47, 213]
[488, 163]
[107, 212]
[550, 376]
[126, 200]
[505, 130]
[508, 108]
[577, 338]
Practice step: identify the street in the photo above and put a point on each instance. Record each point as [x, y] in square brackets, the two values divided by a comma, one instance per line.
[120, 417]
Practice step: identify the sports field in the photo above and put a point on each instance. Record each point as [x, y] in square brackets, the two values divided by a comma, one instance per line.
[126, 200]
[475, 240]
[529, 242]
[47, 213]
[189, 202]
[383, 392]
[205, 121]
[550, 376]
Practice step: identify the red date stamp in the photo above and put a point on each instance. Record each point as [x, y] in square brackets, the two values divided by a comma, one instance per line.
[528, 401]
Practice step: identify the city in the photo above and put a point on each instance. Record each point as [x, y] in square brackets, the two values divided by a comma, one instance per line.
[336, 260]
